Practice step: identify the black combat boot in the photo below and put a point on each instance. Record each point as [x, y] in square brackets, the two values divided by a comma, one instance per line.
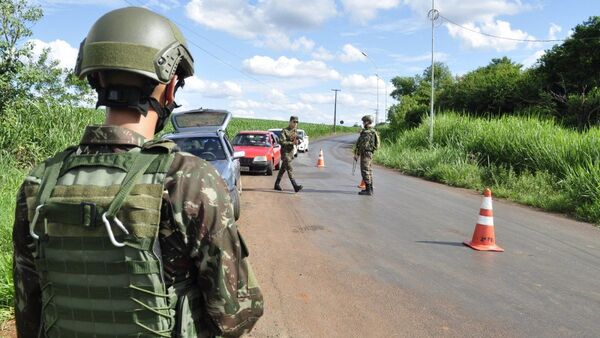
[297, 187]
[277, 186]
[368, 191]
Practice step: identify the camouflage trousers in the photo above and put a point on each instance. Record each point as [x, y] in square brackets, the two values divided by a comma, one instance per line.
[365, 167]
[286, 165]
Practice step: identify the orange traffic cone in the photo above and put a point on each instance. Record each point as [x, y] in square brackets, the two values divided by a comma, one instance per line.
[362, 185]
[321, 161]
[484, 238]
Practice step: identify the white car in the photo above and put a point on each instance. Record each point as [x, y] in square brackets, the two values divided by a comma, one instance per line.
[277, 132]
[303, 146]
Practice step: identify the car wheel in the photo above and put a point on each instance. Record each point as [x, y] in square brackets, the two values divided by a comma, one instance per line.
[270, 169]
[235, 200]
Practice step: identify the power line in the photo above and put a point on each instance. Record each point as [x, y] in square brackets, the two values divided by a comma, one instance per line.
[509, 38]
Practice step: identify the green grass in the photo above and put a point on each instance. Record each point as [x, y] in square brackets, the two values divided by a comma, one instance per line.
[525, 159]
[29, 133]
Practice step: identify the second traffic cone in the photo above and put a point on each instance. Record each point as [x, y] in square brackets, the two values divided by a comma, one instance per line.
[321, 160]
[484, 238]
[362, 185]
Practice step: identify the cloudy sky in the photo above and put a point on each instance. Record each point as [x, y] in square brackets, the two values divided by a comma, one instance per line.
[273, 58]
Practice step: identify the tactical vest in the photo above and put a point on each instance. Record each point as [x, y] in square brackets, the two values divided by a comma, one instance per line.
[95, 220]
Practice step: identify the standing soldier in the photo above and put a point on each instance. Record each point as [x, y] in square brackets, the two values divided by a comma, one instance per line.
[289, 139]
[125, 237]
[367, 143]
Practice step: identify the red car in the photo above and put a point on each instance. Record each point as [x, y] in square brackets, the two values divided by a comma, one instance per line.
[263, 153]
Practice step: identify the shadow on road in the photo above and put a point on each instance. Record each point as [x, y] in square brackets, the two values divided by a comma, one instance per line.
[324, 191]
[441, 243]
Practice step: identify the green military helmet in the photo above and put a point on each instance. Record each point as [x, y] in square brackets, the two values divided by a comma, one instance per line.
[136, 40]
[367, 118]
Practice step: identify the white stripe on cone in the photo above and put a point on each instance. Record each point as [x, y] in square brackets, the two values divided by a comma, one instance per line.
[486, 203]
[485, 220]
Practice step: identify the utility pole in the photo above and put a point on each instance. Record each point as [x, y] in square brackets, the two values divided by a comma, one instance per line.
[433, 15]
[335, 108]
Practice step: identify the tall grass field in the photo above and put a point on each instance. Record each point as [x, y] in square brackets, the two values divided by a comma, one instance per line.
[31, 133]
[524, 159]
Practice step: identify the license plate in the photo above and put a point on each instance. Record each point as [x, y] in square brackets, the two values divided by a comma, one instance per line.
[244, 168]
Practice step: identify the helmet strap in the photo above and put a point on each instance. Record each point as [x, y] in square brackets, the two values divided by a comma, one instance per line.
[126, 97]
[164, 111]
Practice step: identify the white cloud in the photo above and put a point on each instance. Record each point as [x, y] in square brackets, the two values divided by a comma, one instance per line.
[533, 58]
[59, 50]
[263, 106]
[289, 67]
[480, 16]
[364, 10]
[292, 15]
[280, 41]
[269, 21]
[554, 28]
[212, 89]
[439, 56]
[322, 54]
[351, 54]
[276, 96]
[498, 28]
[464, 11]
[318, 98]
[359, 83]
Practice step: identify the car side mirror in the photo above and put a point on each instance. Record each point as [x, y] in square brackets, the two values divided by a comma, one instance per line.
[238, 154]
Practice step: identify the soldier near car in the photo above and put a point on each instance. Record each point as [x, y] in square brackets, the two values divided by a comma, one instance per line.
[366, 145]
[120, 236]
[289, 139]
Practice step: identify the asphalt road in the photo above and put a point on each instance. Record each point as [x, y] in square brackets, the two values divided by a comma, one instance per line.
[335, 264]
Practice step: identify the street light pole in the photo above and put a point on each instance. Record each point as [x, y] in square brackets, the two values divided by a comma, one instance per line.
[378, 79]
[335, 108]
[433, 15]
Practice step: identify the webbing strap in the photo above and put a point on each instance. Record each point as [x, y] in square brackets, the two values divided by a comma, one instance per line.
[96, 292]
[94, 243]
[86, 214]
[106, 316]
[99, 268]
[140, 163]
[63, 332]
[51, 174]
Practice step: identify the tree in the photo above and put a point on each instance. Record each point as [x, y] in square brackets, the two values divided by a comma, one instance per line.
[569, 72]
[490, 89]
[24, 76]
[17, 16]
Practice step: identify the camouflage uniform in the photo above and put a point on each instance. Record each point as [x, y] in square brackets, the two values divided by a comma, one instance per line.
[287, 141]
[202, 246]
[367, 143]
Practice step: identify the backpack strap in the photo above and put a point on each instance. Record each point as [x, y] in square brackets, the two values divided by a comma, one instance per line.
[150, 152]
[51, 173]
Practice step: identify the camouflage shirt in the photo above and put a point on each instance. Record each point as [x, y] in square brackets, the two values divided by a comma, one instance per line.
[203, 246]
[368, 141]
[288, 139]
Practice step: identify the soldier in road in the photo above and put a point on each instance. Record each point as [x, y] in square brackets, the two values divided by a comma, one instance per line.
[121, 236]
[289, 139]
[366, 145]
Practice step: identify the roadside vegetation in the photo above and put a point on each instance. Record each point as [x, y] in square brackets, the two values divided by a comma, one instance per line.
[530, 134]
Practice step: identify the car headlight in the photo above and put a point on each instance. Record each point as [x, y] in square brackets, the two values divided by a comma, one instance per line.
[260, 159]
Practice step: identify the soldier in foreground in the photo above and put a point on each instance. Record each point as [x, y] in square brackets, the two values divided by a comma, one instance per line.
[289, 139]
[121, 236]
[366, 145]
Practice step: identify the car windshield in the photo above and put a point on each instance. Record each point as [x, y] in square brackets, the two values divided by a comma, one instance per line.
[208, 148]
[277, 132]
[257, 140]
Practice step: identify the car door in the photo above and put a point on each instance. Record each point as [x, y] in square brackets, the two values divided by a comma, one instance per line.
[276, 149]
[235, 162]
